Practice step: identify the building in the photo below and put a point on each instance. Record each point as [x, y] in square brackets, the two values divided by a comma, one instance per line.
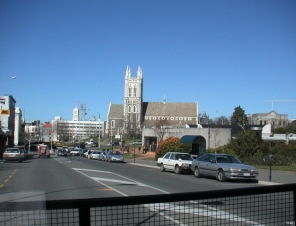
[129, 118]
[273, 118]
[19, 131]
[32, 131]
[76, 130]
[7, 121]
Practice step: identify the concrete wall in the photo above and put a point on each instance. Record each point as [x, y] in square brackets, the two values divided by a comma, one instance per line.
[218, 136]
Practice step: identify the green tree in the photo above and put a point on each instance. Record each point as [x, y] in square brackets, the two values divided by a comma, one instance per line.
[246, 145]
[285, 129]
[238, 117]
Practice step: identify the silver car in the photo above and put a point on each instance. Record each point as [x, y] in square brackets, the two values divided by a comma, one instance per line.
[114, 156]
[223, 167]
[102, 156]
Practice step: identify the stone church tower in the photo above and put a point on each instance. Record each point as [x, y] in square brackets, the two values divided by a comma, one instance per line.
[133, 101]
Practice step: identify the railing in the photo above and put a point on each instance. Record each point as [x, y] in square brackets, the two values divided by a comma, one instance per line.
[268, 205]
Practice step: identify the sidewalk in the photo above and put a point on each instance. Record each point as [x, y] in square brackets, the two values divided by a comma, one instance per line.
[277, 177]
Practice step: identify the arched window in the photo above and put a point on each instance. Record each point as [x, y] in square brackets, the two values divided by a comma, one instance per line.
[113, 124]
[135, 108]
[129, 109]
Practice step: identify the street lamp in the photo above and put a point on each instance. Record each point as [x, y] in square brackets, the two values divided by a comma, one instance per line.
[99, 136]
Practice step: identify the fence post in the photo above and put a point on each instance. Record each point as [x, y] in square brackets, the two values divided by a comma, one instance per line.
[84, 215]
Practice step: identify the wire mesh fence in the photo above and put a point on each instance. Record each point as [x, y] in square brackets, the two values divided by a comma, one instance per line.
[270, 205]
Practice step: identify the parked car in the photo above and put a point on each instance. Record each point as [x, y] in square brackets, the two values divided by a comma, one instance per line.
[175, 161]
[13, 154]
[88, 153]
[138, 142]
[94, 144]
[114, 156]
[102, 156]
[95, 154]
[62, 152]
[223, 167]
[66, 148]
[75, 151]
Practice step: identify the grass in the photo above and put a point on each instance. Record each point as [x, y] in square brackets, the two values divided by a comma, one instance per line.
[281, 168]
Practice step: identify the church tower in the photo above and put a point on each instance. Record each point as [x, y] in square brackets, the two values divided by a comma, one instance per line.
[133, 102]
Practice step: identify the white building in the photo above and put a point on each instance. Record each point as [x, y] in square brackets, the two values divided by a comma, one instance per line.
[75, 130]
[18, 131]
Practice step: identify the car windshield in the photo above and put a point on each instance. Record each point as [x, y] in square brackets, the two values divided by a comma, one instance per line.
[183, 157]
[227, 159]
[12, 151]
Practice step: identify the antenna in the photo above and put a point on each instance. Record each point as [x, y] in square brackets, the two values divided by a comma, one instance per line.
[277, 101]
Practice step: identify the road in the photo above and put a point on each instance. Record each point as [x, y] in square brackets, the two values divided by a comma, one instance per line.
[75, 177]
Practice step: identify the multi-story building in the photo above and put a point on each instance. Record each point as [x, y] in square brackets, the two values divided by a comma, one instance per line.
[75, 130]
[7, 116]
[273, 118]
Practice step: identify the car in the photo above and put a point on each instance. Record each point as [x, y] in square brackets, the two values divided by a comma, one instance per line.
[66, 148]
[138, 142]
[88, 153]
[62, 152]
[223, 167]
[75, 151]
[94, 144]
[95, 155]
[13, 154]
[114, 156]
[102, 156]
[175, 161]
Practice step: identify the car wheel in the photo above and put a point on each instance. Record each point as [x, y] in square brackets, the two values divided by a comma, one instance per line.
[221, 176]
[197, 173]
[162, 169]
[177, 169]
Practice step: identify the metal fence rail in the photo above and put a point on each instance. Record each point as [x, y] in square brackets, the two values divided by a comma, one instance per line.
[270, 205]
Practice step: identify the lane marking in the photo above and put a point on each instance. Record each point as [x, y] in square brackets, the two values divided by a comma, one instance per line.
[6, 181]
[1, 185]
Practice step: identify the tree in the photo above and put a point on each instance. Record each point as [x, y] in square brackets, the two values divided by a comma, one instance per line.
[222, 120]
[238, 117]
[170, 144]
[246, 145]
[160, 128]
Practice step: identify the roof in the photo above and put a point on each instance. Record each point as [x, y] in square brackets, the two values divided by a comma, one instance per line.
[116, 111]
[192, 139]
[188, 109]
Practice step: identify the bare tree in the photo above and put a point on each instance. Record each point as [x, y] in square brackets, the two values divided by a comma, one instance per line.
[222, 120]
[215, 134]
[160, 128]
[132, 128]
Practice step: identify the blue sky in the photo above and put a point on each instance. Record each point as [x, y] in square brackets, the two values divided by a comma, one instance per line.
[221, 53]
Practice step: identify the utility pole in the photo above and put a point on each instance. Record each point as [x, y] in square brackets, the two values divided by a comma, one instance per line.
[99, 138]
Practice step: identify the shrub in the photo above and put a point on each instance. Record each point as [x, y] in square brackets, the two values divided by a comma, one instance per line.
[169, 144]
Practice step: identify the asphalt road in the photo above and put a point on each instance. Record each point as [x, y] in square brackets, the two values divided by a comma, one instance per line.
[75, 177]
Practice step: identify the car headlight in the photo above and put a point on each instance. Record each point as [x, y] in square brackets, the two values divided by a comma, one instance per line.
[233, 169]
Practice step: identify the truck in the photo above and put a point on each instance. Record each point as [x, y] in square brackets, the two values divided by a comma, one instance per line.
[43, 151]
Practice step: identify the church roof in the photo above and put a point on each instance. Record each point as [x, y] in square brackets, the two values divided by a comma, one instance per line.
[116, 111]
[188, 109]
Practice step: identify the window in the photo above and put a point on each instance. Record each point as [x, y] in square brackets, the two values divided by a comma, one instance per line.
[129, 109]
[172, 156]
[167, 156]
[113, 124]
[129, 92]
[135, 92]
[135, 109]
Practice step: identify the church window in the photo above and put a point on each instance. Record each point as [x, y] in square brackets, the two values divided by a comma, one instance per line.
[135, 108]
[129, 109]
[129, 92]
[135, 92]
[113, 124]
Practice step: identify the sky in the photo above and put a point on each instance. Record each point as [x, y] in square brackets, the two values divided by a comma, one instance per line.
[222, 54]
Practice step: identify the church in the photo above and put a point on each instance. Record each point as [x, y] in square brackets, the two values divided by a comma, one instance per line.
[128, 119]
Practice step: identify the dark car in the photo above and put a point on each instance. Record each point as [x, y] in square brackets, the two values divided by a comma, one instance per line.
[94, 144]
[62, 152]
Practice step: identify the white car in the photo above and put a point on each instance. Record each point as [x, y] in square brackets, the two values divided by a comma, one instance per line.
[75, 151]
[95, 155]
[175, 161]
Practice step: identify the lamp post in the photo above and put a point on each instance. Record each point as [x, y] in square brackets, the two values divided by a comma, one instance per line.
[99, 136]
